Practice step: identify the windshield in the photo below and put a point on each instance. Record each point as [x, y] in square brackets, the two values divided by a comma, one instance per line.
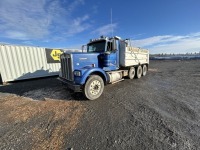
[96, 47]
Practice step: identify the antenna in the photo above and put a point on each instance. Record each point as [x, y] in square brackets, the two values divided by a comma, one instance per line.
[111, 21]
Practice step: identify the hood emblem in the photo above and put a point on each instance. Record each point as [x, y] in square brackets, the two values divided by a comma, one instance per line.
[82, 58]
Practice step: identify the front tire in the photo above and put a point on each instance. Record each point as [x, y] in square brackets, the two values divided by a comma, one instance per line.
[93, 87]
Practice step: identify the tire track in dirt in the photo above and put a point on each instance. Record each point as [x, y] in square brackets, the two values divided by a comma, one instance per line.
[39, 124]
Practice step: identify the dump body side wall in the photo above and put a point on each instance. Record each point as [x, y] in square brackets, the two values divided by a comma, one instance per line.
[131, 56]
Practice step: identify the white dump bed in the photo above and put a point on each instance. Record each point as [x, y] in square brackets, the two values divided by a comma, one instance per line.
[130, 56]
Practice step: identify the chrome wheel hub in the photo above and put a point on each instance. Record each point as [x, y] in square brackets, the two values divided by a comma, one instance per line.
[95, 87]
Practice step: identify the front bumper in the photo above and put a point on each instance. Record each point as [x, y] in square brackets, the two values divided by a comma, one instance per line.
[70, 85]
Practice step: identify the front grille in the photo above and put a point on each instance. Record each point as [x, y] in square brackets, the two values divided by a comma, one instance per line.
[66, 67]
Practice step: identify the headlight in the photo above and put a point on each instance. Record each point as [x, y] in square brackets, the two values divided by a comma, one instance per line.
[77, 73]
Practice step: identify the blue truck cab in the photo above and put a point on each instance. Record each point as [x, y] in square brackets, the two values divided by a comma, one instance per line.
[89, 71]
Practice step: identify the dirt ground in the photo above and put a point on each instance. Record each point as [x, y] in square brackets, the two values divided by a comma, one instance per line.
[158, 111]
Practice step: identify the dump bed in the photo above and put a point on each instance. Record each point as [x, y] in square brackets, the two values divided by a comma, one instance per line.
[130, 56]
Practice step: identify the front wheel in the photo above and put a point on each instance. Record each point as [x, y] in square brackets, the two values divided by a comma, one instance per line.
[93, 87]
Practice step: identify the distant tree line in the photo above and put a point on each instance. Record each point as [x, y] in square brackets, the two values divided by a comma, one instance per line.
[173, 54]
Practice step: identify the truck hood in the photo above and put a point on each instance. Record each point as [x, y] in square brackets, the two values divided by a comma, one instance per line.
[81, 60]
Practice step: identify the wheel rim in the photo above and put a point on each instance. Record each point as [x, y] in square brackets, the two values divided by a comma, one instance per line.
[139, 72]
[144, 70]
[133, 73]
[95, 87]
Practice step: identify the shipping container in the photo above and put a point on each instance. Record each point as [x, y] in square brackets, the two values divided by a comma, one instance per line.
[26, 62]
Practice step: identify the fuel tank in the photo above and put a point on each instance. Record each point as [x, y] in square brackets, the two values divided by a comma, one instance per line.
[114, 76]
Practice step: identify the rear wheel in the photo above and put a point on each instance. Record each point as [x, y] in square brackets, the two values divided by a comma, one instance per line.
[131, 73]
[139, 72]
[144, 70]
[93, 87]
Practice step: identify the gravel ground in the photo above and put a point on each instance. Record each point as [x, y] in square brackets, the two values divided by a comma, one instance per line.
[158, 111]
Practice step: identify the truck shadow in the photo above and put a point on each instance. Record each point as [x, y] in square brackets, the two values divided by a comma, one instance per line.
[41, 89]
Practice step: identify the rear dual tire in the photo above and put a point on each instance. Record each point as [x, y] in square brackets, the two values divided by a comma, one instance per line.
[131, 73]
[144, 70]
[140, 71]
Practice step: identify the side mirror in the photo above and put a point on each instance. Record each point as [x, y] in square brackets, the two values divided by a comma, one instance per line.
[114, 45]
[83, 47]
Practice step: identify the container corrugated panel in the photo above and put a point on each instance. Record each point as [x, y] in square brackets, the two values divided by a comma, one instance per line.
[24, 62]
[130, 56]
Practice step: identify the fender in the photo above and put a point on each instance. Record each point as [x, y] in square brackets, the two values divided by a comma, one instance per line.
[90, 71]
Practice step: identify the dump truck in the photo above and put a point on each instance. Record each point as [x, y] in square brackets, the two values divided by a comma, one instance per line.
[106, 61]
